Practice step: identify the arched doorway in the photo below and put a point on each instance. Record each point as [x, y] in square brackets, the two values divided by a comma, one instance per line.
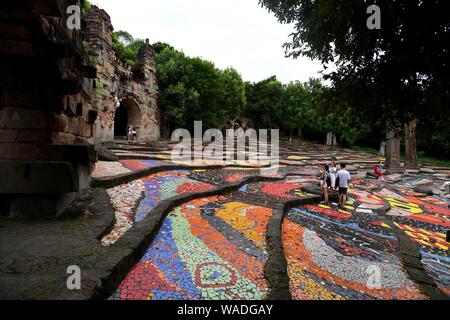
[127, 114]
[121, 122]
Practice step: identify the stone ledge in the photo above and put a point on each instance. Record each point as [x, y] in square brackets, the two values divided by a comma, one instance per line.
[37, 177]
[83, 153]
[34, 256]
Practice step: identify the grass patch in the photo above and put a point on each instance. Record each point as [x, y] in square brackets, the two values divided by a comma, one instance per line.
[434, 161]
[430, 161]
[365, 150]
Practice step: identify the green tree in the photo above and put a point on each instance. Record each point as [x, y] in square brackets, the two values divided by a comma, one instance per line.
[205, 78]
[175, 99]
[264, 103]
[192, 89]
[234, 99]
[296, 107]
[394, 69]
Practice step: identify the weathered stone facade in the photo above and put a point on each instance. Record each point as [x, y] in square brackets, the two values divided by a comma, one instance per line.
[123, 94]
[54, 105]
[46, 119]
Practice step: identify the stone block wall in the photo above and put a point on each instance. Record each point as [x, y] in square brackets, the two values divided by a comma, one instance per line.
[46, 116]
[119, 84]
[60, 90]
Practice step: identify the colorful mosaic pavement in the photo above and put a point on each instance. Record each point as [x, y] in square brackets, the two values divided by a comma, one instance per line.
[425, 220]
[231, 175]
[105, 169]
[330, 256]
[215, 248]
[133, 201]
[136, 165]
[211, 248]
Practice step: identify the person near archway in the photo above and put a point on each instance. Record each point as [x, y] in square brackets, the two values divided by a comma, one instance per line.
[134, 133]
[130, 133]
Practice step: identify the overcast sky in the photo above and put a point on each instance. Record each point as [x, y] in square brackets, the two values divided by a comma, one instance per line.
[237, 33]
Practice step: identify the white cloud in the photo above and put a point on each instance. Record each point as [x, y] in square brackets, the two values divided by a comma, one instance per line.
[237, 33]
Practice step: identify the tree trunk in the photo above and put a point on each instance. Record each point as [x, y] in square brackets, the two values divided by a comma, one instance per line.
[411, 159]
[291, 134]
[392, 150]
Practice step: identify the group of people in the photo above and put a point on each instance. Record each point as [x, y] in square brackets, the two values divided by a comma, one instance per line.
[332, 178]
[131, 133]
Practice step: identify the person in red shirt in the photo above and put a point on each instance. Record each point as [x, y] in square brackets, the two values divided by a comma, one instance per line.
[379, 171]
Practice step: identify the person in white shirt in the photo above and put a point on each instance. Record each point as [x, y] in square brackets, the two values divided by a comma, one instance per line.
[343, 179]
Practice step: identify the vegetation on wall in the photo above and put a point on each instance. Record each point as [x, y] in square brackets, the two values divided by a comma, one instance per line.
[86, 5]
[125, 46]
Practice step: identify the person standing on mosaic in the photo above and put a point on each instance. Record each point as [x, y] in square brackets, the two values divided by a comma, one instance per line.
[343, 177]
[130, 133]
[325, 181]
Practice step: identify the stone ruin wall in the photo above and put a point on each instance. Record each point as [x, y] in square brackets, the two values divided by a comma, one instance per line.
[117, 83]
[54, 104]
[46, 119]
[45, 87]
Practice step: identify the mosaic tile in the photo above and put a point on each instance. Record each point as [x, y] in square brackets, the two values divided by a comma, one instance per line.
[211, 249]
[132, 202]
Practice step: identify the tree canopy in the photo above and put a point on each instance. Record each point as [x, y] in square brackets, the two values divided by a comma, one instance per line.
[354, 108]
[396, 74]
[394, 67]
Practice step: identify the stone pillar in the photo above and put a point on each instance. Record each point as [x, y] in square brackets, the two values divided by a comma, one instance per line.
[411, 159]
[383, 148]
[329, 139]
[392, 150]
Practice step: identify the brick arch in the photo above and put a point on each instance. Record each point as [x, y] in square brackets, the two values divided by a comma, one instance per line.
[128, 113]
